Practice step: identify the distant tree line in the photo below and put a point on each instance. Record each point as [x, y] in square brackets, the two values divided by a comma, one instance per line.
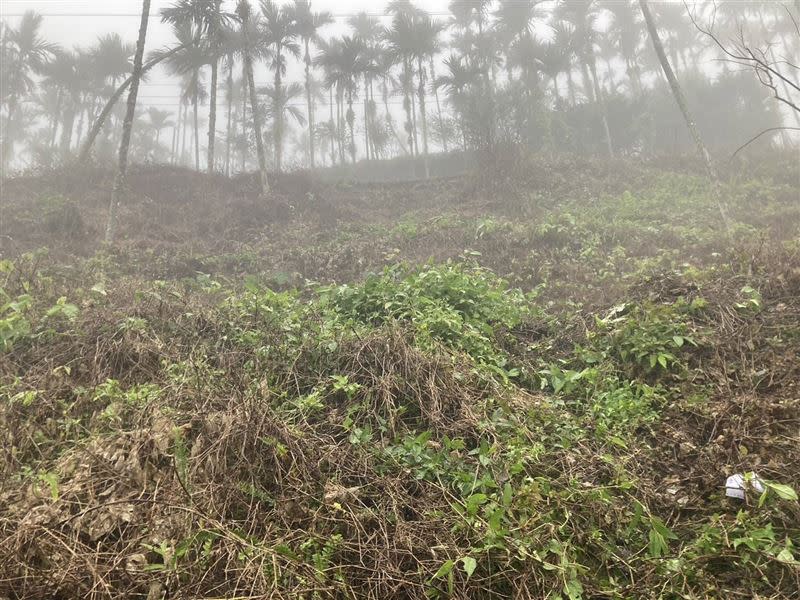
[569, 76]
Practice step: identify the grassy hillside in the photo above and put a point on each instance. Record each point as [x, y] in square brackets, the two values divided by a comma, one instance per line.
[532, 385]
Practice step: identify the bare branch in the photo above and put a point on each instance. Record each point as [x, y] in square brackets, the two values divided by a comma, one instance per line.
[766, 69]
[753, 139]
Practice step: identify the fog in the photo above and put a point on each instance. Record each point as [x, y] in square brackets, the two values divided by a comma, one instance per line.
[576, 77]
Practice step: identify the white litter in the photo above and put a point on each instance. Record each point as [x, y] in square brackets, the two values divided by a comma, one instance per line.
[737, 486]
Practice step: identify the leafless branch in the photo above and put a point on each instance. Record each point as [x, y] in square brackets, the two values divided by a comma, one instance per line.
[794, 21]
[754, 138]
[742, 53]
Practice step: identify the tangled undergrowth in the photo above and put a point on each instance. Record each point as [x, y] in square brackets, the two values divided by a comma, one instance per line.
[428, 431]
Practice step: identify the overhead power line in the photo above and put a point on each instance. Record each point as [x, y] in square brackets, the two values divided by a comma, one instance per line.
[157, 16]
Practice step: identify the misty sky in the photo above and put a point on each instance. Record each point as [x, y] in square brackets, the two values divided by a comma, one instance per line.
[80, 22]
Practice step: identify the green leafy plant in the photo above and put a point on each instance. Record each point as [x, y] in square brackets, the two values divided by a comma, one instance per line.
[13, 323]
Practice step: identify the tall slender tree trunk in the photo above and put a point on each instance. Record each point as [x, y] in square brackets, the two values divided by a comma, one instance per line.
[422, 116]
[195, 102]
[66, 129]
[340, 123]
[677, 92]
[601, 102]
[438, 107]
[184, 160]
[278, 114]
[244, 118]
[332, 126]
[414, 138]
[175, 133]
[373, 113]
[212, 114]
[56, 114]
[612, 84]
[8, 140]
[588, 88]
[634, 76]
[127, 125]
[109, 107]
[351, 121]
[366, 117]
[407, 107]
[570, 86]
[244, 14]
[310, 105]
[79, 130]
[389, 120]
[230, 122]
[680, 100]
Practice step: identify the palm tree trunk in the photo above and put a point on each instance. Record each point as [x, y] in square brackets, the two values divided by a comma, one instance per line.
[588, 88]
[389, 120]
[598, 93]
[66, 129]
[195, 98]
[351, 121]
[422, 116]
[680, 100]
[610, 71]
[340, 123]
[101, 120]
[310, 105]
[414, 138]
[634, 76]
[571, 86]
[54, 127]
[119, 180]
[278, 114]
[212, 114]
[677, 92]
[79, 131]
[183, 158]
[251, 86]
[332, 125]
[175, 135]
[373, 112]
[230, 121]
[8, 141]
[407, 108]
[438, 107]
[244, 117]
[366, 117]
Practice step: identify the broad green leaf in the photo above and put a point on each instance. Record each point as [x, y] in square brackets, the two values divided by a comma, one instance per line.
[783, 491]
[618, 441]
[469, 565]
[661, 528]
[657, 545]
[573, 589]
[444, 569]
[786, 557]
[508, 495]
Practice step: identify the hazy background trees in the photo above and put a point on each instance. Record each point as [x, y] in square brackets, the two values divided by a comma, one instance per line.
[577, 76]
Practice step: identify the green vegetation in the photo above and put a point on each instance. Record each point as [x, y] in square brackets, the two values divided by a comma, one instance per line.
[557, 425]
